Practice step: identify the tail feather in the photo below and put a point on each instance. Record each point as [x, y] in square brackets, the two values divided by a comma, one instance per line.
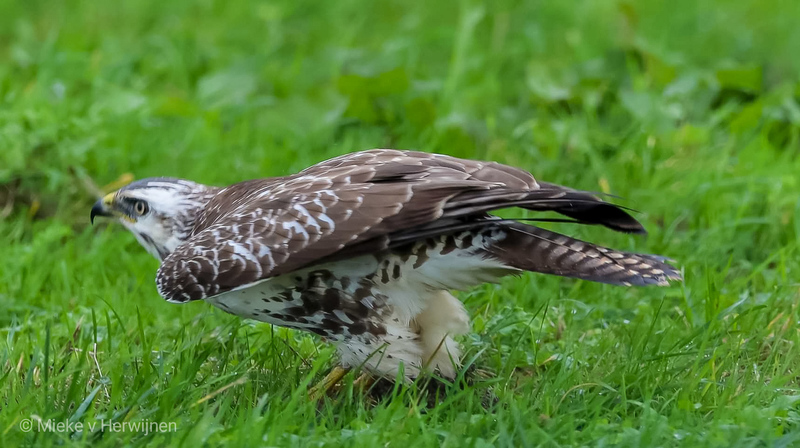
[533, 249]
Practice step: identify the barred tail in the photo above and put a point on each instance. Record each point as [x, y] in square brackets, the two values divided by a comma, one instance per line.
[533, 249]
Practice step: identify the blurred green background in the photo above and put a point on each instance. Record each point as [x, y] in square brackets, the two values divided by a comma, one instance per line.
[689, 110]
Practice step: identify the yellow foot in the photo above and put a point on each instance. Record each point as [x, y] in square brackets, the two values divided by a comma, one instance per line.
[365, 381]
[328, 383]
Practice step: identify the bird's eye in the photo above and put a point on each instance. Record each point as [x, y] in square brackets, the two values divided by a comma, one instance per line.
[140, 207]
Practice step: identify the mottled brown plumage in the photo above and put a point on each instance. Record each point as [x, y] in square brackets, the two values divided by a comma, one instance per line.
[364, 197]
[362, 248]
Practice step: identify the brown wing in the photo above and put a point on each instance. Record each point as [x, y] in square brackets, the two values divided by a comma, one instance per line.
[350, 205]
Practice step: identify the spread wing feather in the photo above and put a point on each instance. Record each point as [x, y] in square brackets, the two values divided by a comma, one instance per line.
[352, 205]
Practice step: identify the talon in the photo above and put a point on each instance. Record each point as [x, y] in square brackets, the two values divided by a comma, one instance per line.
[365, 381]
[328, 383]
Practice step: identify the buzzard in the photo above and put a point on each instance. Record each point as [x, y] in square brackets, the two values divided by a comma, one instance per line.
[364, 249]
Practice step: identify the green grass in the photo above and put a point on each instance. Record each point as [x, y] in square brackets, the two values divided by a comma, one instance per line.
[688, 109]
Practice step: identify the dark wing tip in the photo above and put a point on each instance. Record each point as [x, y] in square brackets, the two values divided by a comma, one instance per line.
[606, 214]
[585, 207]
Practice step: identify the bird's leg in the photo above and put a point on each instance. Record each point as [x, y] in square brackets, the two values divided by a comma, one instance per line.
[329, 382]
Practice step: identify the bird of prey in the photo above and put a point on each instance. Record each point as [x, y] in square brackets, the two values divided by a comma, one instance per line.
[364, 249]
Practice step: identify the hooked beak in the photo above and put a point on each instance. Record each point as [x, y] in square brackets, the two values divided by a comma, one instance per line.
[102, 207]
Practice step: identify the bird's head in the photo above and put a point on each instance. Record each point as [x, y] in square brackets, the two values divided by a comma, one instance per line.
[160, 212]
